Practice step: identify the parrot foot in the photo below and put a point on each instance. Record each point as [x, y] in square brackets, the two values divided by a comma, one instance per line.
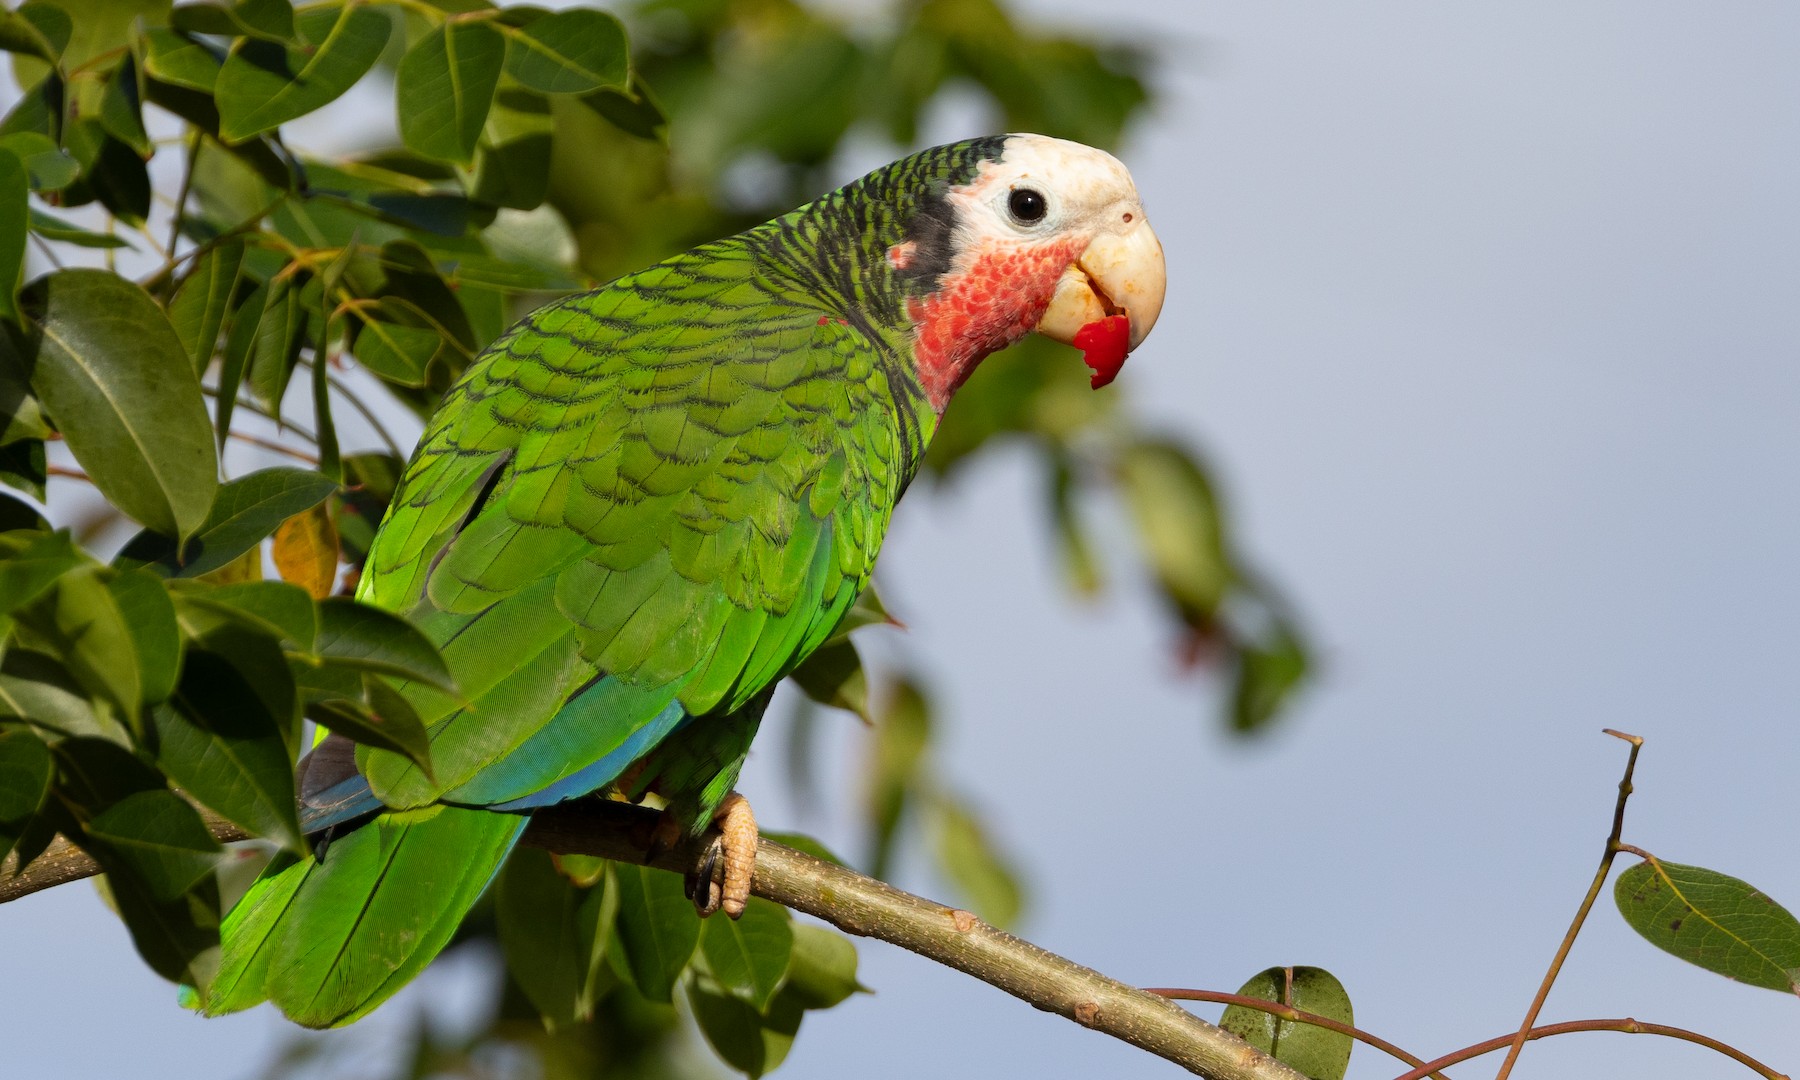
[721, 879]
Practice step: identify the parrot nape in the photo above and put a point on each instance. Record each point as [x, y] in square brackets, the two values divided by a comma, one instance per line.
[642, 506]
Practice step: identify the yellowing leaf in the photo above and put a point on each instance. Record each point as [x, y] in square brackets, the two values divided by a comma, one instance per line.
[306, 551]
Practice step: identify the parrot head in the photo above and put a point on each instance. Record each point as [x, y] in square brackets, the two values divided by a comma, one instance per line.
[1045, 235]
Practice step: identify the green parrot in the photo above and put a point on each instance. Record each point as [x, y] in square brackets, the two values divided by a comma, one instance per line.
[643, 506]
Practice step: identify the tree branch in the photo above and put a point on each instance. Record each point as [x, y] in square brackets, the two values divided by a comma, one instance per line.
[857, 905]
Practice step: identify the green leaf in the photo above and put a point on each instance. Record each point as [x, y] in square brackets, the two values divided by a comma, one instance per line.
[749, 1041]
[224, 749]
[36, 689]
[51, 227]
[26, 769]
[247, 510]
[554, 934]
[150, 617]
[282, 610]
[19, 34]
[241, 336]
[280, 335]
[657, 928]
[821, 968]
[81, 625]
[393, 349]
[21, 417]
[1318, 1052]
[112, 372]
[174, 58]
[30, 567]
[749, 955]
[445, 87]
[571, 52]
[161, 838]
[1713, 921]
[1268, 672]
[357, 635]
[263, 85]
[833, 675]
[974, 866]
[15, 191]
[22, 466]
[18, 514]
[121, 108]
[1178, 524]
[382, 718]
[48, 167]
[901, 737]
[198, 308]
[243, 668]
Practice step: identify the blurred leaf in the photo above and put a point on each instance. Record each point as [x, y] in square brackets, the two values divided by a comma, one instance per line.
[833, 675]
[18, 514]
[974, 865]
[394, 341]
[749, 955]
[901, 735]
[553, 933]
[445, 86]
[22, 466]
[26, 769]
[306, 551]
[747, 1040]
[149, 615]
[280, 335]
[198, 309]
[270, 20]
[54, 228]
[1268, 671]
[821, 968]
[179, 60]
[113, 373]
[18, 34]
[571, 52]
[1178, 525]
[1080, 567]
[1315, 1051]
[247, 510]
[657, 928]
[21, 417]
[1712, 921]
[357, 635]
[161, 838]
[80, 624]
[15, 191]
[31, 566]
[241, 336]
[121, 107]
[47, 166]
[264, 85]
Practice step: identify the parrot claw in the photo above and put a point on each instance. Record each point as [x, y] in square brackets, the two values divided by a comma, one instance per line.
[721, 878]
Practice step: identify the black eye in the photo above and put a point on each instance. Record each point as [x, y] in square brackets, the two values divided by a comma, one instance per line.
[1027, 206]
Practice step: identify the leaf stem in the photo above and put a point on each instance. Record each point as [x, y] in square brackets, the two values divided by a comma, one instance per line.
[1623, 1024]
[1288, 1012]
[1562, 953]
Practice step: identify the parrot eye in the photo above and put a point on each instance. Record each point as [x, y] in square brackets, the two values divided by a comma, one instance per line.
[1027, 206]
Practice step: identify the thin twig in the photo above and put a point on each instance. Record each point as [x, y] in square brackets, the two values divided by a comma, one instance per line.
[49, 252]
[1288, 1012]
[1587, 903]
[349, 395]
[1624, 1024]
[252, 406]
[67, 473]
[271, 444]
[858, 905]
[181, 197]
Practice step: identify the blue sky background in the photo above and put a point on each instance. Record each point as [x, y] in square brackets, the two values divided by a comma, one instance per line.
[1489, 318]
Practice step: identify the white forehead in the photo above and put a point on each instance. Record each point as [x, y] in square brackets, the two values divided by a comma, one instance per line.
[1079, 173]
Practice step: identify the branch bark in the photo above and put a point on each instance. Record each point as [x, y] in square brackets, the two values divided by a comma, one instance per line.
[857, 905]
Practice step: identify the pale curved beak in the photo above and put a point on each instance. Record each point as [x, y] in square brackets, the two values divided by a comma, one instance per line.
[1120, 274]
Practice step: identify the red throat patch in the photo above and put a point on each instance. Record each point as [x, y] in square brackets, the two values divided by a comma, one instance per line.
[995, 297]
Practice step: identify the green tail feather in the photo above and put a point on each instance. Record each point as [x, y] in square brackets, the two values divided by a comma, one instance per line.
[329, 941]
